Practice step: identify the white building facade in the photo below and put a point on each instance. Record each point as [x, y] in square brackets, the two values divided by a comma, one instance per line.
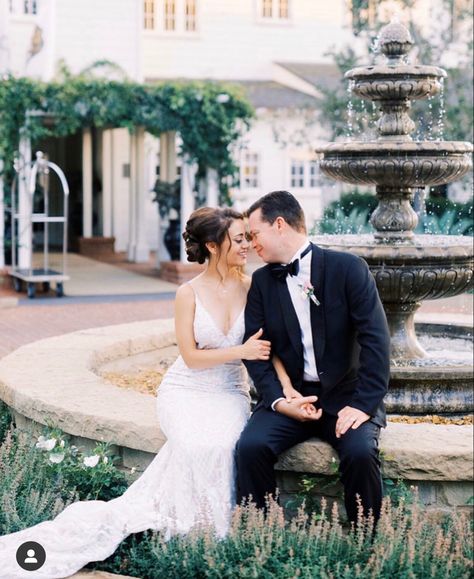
[275, 49]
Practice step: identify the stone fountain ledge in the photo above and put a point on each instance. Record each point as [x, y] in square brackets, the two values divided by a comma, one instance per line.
[57, 379]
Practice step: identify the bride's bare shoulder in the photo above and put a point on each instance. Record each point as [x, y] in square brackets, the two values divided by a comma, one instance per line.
[185, 292]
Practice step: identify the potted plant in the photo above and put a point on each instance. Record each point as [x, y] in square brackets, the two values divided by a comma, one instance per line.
[168, 197]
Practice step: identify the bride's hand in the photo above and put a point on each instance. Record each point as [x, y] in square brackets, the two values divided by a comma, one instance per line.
[289, 392]
[256, 349]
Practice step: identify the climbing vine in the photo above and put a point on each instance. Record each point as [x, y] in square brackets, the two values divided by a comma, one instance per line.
[209, 117]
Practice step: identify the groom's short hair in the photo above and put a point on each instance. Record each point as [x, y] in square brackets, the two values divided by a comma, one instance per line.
[280, 204]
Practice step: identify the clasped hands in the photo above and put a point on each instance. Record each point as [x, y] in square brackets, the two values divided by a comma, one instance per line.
[302, 408]
[297, 406]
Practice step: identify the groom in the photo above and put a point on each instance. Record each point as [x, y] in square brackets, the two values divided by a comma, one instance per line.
[322, 314]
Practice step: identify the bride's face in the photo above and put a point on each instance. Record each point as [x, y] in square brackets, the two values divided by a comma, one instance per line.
[234, 252]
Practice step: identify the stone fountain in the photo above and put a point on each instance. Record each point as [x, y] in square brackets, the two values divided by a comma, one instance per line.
[407, 268]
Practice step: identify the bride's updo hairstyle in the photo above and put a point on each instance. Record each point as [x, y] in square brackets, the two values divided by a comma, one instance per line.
[206, 225]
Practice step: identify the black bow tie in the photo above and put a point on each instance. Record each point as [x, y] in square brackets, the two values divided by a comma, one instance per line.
[280, 271]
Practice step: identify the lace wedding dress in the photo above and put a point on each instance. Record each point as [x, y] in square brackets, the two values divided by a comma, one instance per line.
[189, 482]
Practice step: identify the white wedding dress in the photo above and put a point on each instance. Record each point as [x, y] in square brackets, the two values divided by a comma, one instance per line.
[191, 481]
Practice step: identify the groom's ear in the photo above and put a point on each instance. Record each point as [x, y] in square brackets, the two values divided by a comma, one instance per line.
[281, 223]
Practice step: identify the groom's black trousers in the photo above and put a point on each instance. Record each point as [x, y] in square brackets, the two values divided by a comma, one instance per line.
[269, 433]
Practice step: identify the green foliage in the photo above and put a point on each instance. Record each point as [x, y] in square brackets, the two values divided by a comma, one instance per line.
[311, 488]
[398, 491]
[447, 224]
[93, 474]
[28, 495]
[351, 214]
[407, 544]
[209, 117]
[5, 420]
[39, 478]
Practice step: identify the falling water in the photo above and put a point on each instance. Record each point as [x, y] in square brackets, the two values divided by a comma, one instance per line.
[441, 113]
[350, 111]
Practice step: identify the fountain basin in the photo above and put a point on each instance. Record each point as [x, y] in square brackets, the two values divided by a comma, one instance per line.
[396, 163]
[407, 272]
[58, 379]
[400, 82]
[426, 267]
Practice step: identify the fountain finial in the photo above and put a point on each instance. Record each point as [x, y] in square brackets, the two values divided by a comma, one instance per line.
[395, 41]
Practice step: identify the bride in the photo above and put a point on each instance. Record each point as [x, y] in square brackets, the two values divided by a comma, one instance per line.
[203, 405]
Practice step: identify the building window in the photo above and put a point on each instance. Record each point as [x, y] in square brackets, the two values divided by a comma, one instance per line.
[250, 170]
[297, 173]
[178, 16]
[283, 11]
[170, 15]
[190, 16]
[23, 6]
[275, 9]
[149, 14]
[364, 14]
[267, 8]
[313, 174]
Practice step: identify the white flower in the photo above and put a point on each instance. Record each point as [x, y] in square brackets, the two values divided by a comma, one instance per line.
[61, 444]
[91, 461]
[132, 470]
[333, 459]
[105, 459]
[222, 98]
[46, 444]
[56, 457]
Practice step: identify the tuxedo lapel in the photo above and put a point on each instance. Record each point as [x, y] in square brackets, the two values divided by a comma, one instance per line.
[291, 320]
[318, 326]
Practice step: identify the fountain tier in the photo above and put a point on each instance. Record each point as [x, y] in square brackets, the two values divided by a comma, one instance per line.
[406, 268]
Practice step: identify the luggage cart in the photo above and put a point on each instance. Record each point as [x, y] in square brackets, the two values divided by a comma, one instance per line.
[44, 275]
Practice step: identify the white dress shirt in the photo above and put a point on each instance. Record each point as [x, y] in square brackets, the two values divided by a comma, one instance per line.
[301, 303]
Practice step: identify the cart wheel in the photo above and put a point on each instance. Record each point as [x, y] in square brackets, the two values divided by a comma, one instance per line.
[46, 286]
[31, 290]
[17, 284]
[59, 290]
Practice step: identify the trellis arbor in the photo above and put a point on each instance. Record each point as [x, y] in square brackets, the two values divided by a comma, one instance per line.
[208, 117]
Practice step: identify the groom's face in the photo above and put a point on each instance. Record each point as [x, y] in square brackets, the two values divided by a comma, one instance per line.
[265, 237]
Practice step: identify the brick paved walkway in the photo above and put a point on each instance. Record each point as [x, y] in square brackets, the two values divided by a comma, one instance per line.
[22, 324]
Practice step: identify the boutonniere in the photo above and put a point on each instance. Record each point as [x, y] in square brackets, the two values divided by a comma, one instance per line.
[307, 292]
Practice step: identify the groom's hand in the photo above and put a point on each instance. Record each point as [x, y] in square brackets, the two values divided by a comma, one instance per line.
[300, 409]
[349, 417]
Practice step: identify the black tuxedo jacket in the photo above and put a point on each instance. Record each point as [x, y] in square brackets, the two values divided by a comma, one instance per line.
[350, 334]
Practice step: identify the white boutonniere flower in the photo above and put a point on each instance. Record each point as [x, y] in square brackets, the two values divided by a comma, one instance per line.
[307, 292]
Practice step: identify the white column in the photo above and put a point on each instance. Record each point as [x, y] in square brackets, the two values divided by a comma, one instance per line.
[188, 173]
[107, 182]
[168, 174]
[142, 250]
[24, 205]
[132, 220]
[86, 182]
[212, 184]
[2, 220]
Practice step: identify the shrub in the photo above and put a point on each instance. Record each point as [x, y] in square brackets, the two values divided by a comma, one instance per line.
[351, 214]
[27, 494]
[40, 478]
[94, 475]
[5, 420]
[407, 544]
